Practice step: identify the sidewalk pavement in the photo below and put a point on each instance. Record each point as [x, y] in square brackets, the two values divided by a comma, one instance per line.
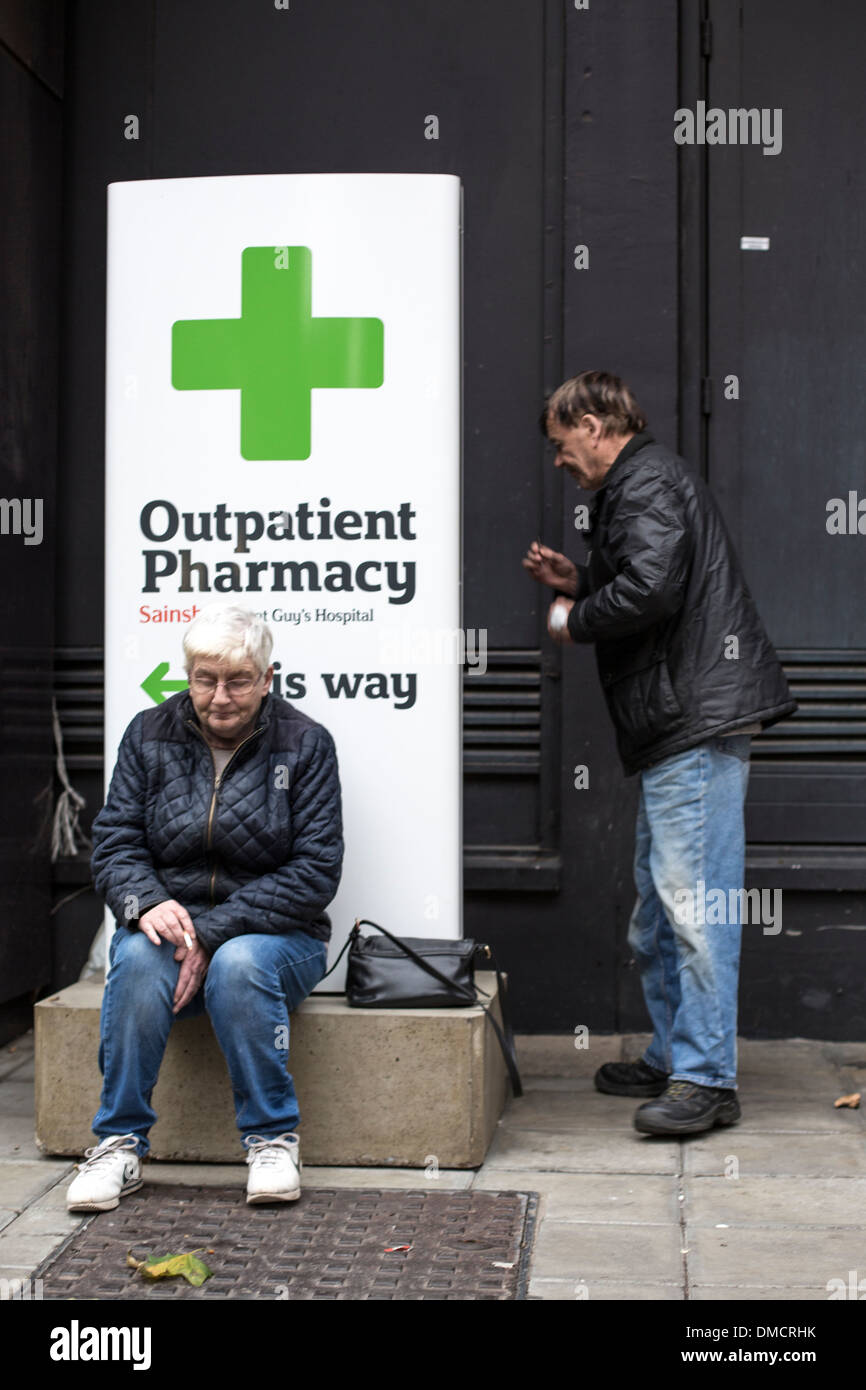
[771, 1208]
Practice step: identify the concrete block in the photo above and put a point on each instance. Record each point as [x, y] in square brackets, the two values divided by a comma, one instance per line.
[377, 1087]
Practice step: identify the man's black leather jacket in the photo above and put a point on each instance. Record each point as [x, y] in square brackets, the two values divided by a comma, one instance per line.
[681, 651]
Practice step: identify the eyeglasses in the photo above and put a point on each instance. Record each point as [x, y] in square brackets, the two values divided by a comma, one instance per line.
[238, 685]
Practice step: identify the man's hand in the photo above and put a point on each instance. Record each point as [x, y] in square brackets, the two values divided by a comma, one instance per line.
[167, 922]
[551, 568]
[557, 618]
[194, 963]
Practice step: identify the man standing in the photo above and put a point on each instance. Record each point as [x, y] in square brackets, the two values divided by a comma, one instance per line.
[689, 674]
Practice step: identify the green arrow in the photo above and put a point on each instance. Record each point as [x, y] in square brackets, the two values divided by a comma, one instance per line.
[156, 686]
[277, 353]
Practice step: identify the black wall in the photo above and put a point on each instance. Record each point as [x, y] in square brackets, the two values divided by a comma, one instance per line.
[31, 110]
[560, 124]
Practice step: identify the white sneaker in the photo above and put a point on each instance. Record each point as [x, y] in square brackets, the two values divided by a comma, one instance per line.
[275, 1168]
[110, 1171]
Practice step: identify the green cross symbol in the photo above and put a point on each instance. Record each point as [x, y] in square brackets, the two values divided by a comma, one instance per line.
[276, 353]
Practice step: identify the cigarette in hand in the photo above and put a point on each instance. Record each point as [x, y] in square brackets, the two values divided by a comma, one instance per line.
[188, 939]
[558, 618]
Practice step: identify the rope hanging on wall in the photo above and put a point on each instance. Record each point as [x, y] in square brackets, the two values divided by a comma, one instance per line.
[67, 837]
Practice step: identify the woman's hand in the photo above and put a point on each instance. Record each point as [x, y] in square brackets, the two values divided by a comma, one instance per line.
[167, 922]
[194, 963]
[551, 568]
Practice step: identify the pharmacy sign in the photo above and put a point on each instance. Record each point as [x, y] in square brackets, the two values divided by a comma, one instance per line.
[283, 431]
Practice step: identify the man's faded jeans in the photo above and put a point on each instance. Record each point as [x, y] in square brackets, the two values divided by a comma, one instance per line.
[253, 983]
[690, 839]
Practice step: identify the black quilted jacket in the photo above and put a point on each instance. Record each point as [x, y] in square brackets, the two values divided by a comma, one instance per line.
[662, 597]
[260, 852]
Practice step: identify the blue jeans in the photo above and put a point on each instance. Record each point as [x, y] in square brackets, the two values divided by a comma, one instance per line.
[690, 840]
[253, 983]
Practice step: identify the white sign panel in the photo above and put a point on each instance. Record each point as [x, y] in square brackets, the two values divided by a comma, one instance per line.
[283, 431]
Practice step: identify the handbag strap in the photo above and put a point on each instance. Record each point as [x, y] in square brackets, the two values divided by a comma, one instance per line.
[505, 1035]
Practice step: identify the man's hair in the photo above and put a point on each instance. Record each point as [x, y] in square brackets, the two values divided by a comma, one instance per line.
[228, 634]
[594, 393]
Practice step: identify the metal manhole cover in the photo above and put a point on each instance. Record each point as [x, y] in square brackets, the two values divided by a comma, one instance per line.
[334, 1243]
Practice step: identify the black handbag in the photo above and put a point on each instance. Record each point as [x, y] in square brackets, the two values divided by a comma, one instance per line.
[417, 972]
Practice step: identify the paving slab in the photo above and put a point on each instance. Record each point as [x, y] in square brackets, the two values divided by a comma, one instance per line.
[755, 1257]
[601, 1151]
[555, 1083]
[17, 1138]
[198, 1174]
[17, 1273]
[22, 1182]
[45, 1221]
[846, 1053]
[785, 1067]
[586, 1251]
[25, 1251]
[593, 1197]
[819, 1088]
[449, 1179]
[235, 1175]
[782, 1053]
[16, 1097]
[766, 1155]
[54, 1197]
[15, 1054]
[597, 1291]
[25, 1071]
[800, 1115]
[781, 1202]
[555, 1055]
[572, 1111]
[714, 1293]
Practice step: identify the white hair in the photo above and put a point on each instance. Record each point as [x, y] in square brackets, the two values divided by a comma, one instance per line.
[228, 634]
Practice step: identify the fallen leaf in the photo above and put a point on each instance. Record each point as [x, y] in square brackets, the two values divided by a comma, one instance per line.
[852, 1102]
[194, 1270]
